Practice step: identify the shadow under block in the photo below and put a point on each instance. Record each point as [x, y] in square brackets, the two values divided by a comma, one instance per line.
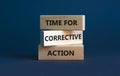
[62, 22]
[67, 52]
[50, 38]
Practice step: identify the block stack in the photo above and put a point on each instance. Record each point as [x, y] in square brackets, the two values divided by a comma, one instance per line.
[61, 37]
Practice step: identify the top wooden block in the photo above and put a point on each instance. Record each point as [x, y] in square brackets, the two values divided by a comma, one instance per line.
[62, 22]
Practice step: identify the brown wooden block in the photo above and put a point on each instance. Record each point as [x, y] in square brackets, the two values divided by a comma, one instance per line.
[66, 52]
[62, 22]
[52, 38]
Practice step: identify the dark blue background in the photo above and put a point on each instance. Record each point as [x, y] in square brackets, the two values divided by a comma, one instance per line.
[19, 37]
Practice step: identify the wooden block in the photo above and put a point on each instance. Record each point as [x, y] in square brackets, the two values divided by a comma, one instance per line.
[66, 52]
[50, 38]
[62, 22]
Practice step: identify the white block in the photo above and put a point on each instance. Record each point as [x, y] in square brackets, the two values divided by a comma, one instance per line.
[66, 52]
[50, 38]
[62, 22]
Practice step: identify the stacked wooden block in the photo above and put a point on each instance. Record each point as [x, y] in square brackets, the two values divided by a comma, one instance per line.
[61, 37]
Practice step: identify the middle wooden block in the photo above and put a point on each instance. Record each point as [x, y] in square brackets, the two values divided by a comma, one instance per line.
[50, 38]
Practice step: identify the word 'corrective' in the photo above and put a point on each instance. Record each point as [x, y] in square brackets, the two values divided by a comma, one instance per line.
[63, 37]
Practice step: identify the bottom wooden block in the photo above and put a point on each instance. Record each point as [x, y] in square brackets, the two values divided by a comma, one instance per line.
[66, 52]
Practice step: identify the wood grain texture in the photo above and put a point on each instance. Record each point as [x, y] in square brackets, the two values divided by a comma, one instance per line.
[79, 18]
[78, 52]
[50, 38]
